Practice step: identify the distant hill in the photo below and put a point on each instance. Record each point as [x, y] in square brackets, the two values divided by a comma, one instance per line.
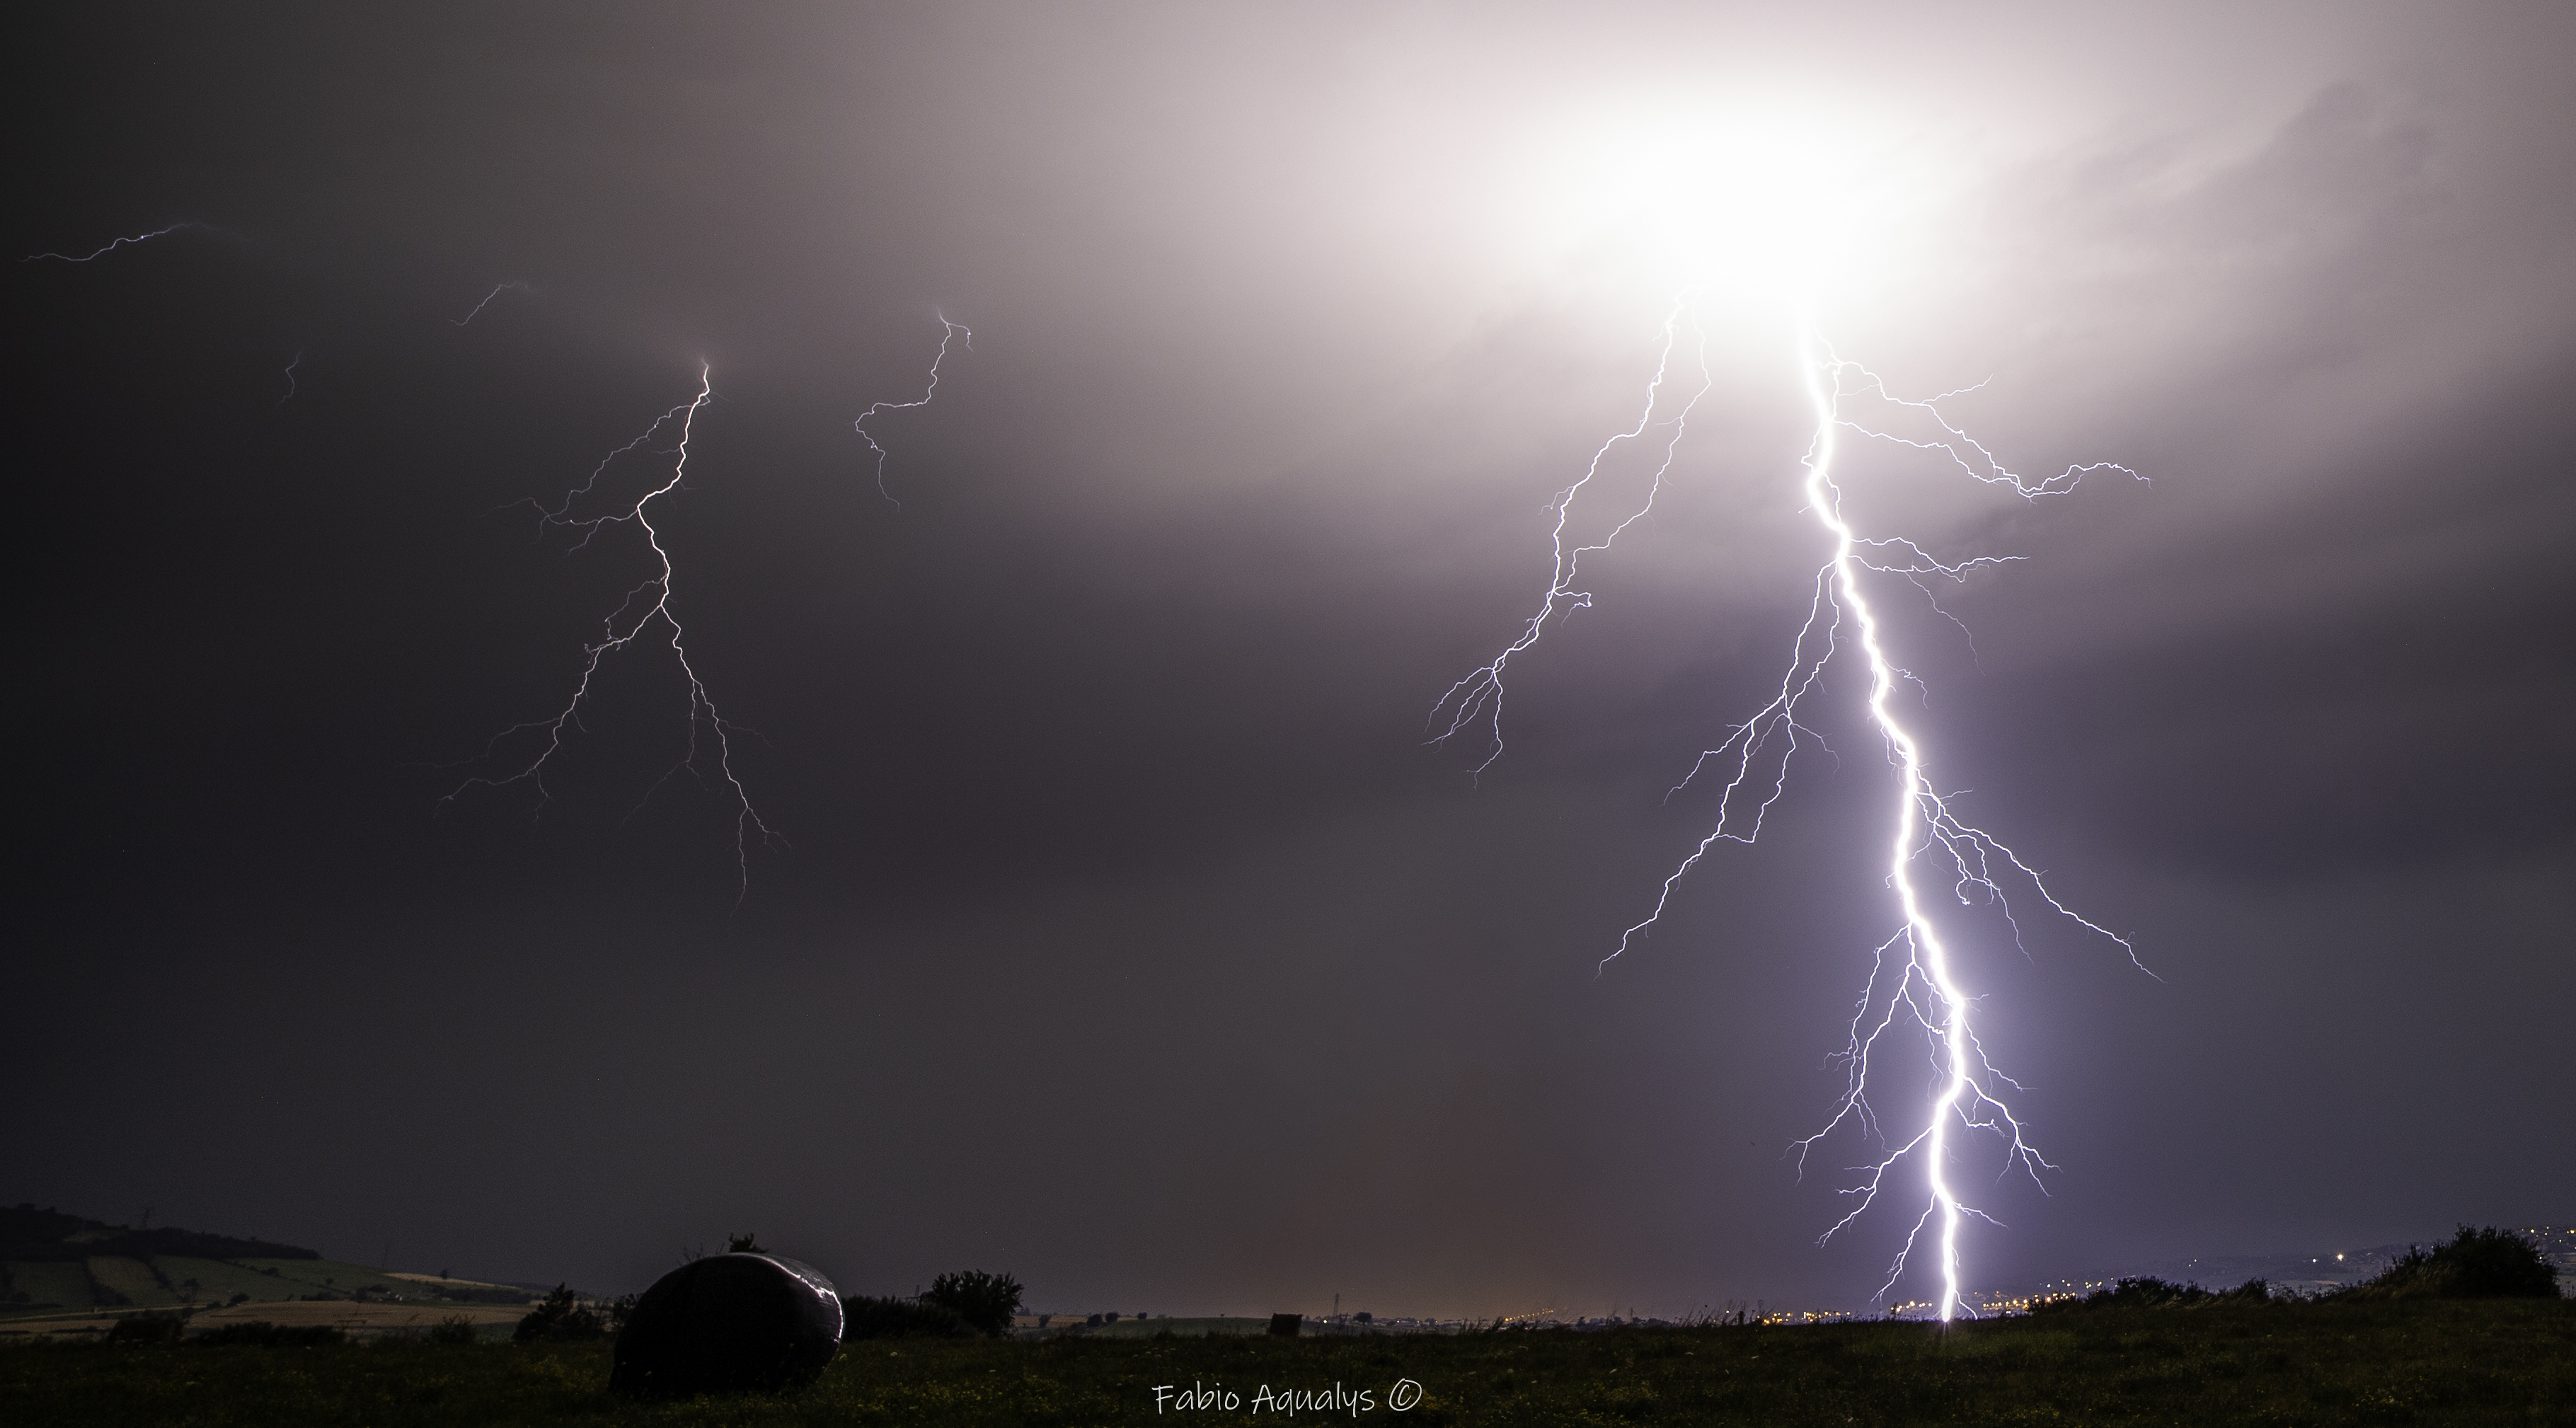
[27, 1233]
[52, 1263]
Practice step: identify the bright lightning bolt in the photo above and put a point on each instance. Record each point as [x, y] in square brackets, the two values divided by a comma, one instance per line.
[487, 302]
[647, 606]
[948, 333]
[1921, 984]
[110, 248]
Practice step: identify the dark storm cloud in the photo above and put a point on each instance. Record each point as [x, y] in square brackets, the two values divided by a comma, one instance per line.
[1125, 935]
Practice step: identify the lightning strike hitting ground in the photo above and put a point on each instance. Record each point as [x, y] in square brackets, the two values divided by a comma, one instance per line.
[647, 606]
[110, 248]
[948, 332]
[486, 302]
[1920, 984]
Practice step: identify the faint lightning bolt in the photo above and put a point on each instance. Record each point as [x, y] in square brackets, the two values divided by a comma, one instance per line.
[290, 377]
[1920, 984]
[949, 331]
[487, 302]
[647, 606]
[1477, 700]
[111, 247]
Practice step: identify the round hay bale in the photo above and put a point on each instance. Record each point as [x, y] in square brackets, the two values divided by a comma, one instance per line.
[729, 1323]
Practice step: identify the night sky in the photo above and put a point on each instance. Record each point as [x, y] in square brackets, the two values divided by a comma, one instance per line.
[1122, 931]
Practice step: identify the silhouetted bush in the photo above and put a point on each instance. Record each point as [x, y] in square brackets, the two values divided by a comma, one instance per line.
[2475, 1264]
[262, 1334]
[454, 1329]
[986, 1301]
[148, 1329]
[560, 1318]
[867, 1318]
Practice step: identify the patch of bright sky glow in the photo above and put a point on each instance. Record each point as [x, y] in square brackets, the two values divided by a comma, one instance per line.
[1764, 196]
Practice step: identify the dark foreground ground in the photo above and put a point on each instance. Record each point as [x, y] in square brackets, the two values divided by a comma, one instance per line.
[2393, 1363]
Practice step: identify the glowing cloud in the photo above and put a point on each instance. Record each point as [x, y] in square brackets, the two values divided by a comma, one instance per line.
[1758, 197]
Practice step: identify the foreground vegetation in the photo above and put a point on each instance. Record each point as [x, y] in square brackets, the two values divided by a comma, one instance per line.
[2423, 1361]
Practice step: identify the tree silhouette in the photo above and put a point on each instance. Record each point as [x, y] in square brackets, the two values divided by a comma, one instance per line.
[986, 1301]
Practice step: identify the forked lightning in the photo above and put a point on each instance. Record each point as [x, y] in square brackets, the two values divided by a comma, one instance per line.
[1912, 977]
[646, 607]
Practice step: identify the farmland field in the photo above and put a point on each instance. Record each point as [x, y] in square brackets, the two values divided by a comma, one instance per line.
[128, 1280]
[2404, 1362]
[50, 1288]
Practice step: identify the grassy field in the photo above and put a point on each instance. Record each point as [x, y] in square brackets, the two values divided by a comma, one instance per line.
[2408, 1362]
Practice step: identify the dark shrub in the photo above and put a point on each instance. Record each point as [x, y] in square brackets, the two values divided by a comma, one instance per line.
[560, 1318]
[454, 1329]
[2475, 1264]
[986, 1301]
[148, 1329]
[864, 1318]
[262, 1334]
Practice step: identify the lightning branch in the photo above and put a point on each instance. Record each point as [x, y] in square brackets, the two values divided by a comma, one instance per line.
[948, 332]
[646, 611]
